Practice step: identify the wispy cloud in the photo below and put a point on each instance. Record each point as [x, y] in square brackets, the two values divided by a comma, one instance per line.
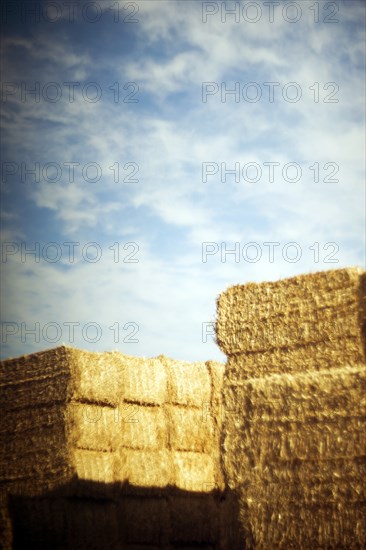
[164, 140]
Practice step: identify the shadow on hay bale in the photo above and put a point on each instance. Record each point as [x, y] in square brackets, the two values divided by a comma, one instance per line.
[103, 450]
[114, 516]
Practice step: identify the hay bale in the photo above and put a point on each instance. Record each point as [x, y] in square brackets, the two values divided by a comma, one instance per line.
[88, 424]
[144, 381]
[199, 526]
[6, 526]
[294, 416]
[145, 468]
[317, 356]
[294, 449]
[151, 512]
[190, 431]
[189, 383]
[93, 427]
[81, 403]
[38, 522]
[155, 422]
[144, 428]
[325, 526]
[295, 316]
[33, 434]
[96, 377]
[92, 524]
[94, 465]
[64, 523]
[32, 380]
[196, 472]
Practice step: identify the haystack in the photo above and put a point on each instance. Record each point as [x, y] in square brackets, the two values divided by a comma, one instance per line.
[294, 449]
[140, 434]
[304, 322]
[294, 433]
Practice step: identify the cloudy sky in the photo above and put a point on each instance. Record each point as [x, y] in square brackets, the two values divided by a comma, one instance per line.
[155, 152]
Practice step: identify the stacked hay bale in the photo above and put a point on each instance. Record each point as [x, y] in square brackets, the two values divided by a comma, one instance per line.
[104, 450]
[294, 399]
[33, 440]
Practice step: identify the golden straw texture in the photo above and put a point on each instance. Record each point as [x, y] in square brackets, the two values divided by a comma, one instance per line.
[294, 433]
[113, 427]
[294, 448]
[298, 323]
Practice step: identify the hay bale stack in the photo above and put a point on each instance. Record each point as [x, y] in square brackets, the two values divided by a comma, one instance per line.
[33, 440]
[142, 421]
[293, 439]
[141, 435]
[294, 448]
[34, 395]
[309, 321]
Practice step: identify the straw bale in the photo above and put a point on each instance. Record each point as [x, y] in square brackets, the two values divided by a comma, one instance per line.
[152, 417]
[30, 457]
[190, 430]
[337, 392]
[35, 391]
[94, 465]
[6, 528]
[33, 439]
[144, 520]
[92, 524]
[99, 408]
[38, 522]
[32, 380]
[232, 536]
[194, 519]
[94, 427]
[91, 424]
[302, 491]
[321, 440]
[302, 358]
[317, 415]
[97, 377]
[194, 471]
[145, 429]
[294, 448]
[344, 473]
[144, 381]
[216, 371]
[145, 468]
[20, 422]
[29, 441]
[299, 311]
[169, 520]
[303, 527]
[31, 463]
[147, 420]
[189, 383]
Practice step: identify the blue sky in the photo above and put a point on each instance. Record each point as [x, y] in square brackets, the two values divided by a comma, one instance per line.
[161, 291]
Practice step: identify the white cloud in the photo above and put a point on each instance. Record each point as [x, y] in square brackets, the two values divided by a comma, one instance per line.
[171, 293]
